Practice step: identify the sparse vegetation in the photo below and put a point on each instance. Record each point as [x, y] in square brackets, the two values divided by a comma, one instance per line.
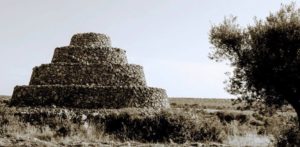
[59, 126]
[203, 103]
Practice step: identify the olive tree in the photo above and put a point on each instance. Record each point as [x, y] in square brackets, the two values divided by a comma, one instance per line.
[265, 57]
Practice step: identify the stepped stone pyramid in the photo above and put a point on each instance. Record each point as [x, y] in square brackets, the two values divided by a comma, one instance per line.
[89, 73]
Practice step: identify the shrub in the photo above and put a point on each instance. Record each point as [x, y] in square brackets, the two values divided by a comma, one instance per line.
[242, 118]
[157, 128]
[173, 105]
[228, 117]
[162, 126]
[225, 117]
[209, 130]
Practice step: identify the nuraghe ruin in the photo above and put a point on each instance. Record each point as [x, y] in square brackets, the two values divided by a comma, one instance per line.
[89, 73]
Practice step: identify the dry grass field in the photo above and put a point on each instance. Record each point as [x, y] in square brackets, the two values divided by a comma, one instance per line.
[205, 103]
[261, 129]
[189, 122]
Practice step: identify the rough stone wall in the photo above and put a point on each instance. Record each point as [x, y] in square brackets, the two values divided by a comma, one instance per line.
[89, 74]
[98, 74]
[89, 96]
[90, 40]
[86, 55]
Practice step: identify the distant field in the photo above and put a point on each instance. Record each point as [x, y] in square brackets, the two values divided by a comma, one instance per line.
[206, 103]
[3, 99]
[211, 103]
[185, 102]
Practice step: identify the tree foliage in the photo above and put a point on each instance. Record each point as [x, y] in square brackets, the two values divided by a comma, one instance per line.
[265, 57]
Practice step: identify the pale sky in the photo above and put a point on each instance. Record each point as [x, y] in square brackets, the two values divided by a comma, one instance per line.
[169, 38]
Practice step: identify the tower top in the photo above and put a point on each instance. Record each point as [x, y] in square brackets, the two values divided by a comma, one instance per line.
[90, 40]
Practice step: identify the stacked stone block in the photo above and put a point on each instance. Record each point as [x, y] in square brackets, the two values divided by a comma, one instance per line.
[89, 73]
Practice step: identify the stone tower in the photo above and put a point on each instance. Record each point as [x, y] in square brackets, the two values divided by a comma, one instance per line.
[89, 73]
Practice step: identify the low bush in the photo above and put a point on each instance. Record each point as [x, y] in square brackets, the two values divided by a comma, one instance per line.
[209, 129]
[157, 128]
[228, 117]
[170, 125]
[163, 126]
